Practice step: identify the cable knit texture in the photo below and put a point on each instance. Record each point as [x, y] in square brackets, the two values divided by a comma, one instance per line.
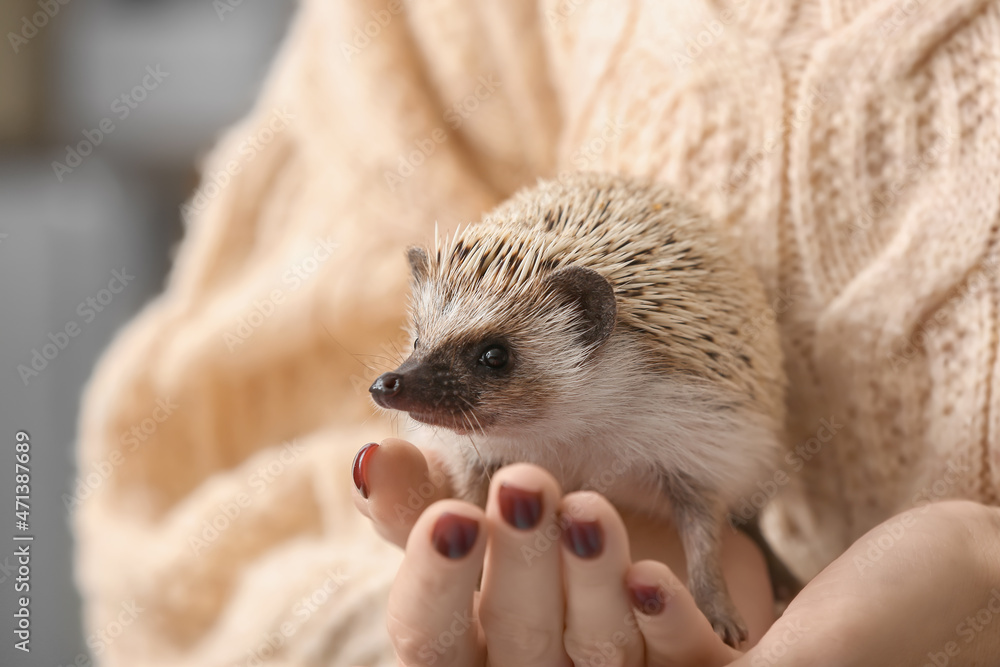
[851, 146]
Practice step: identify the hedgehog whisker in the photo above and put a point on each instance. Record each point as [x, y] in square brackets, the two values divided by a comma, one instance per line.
[374, 412]
[472, 410]
[375, 356]
[462, 410]
[479, 424]
[396, 349]
[465, 418]
[482, 461]
[352, 355]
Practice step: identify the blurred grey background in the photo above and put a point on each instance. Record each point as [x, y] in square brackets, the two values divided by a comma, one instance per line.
[64, 65]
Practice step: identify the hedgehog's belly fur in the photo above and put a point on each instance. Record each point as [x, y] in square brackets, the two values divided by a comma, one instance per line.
[626, 453]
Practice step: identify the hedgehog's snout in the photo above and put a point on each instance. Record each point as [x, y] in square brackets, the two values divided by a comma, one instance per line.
[429, 392]
[412, 386]
[385, 387]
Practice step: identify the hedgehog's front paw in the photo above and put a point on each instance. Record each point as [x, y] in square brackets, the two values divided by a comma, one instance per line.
[712, 597]
[725, 619]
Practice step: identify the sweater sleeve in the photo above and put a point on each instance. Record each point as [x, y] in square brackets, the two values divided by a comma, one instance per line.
[229, 410]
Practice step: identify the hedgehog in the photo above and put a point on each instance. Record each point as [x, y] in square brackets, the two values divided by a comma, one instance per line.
[597, 323]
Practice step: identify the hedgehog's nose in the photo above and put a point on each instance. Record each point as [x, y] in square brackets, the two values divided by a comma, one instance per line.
[385, 385]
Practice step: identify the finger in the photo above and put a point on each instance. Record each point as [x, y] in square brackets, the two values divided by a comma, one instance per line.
[600, 625]
[674, 630]
[393, 483]
[430, 612]
[360, 469]
[521, 605]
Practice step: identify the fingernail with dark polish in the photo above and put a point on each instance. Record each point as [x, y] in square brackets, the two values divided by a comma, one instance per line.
[454, 535]
[584, 538]
[647, 599]
[360, 467]
[520, 508]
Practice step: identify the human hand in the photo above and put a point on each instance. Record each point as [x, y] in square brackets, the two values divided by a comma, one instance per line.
[559, 583]
[927, 599]
[922, 589]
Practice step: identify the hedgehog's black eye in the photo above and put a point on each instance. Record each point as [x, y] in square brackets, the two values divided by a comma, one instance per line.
[494, 357]
[415, 341]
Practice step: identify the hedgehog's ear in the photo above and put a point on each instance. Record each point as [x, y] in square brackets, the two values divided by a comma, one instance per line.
[591, 292]
[419, 262]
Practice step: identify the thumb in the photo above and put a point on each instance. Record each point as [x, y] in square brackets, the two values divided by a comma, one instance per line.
[394, 482]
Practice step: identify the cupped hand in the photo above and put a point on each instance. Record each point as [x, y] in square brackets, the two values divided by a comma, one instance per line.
[559, 581]
[921, 588]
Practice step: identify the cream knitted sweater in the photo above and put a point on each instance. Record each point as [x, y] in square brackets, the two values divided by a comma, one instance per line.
[852, 146]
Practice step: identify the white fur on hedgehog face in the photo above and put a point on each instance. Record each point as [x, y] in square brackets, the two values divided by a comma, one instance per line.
[457, 337]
